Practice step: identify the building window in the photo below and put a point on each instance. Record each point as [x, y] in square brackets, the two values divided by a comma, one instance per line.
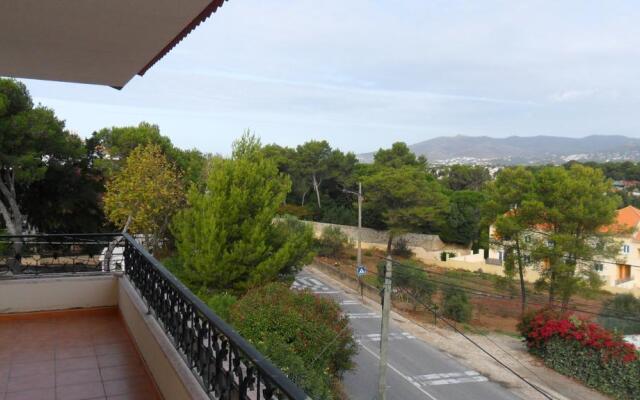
[598, 267]
[625, 248]
[527, 239]
[500, 255]
[550, 243]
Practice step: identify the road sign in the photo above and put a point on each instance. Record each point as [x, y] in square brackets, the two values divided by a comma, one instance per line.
[361, 270]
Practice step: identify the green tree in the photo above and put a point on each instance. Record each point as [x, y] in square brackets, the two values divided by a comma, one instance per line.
[145, 194]
[573, 206]
[32, 140]
[455, 304]
[111, 146]
[465, 177]
[413, 280]
[316, 162]
[404, 199]
[399, 155]
[463, 220]
[505, 208]
[227, 238]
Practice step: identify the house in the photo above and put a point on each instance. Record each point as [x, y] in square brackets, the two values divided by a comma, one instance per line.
[619, 274]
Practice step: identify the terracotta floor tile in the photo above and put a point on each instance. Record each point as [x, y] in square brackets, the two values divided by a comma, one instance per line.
[28, 382]
[129, 385]
[110, 348]
[120, 372]
[71, 356]
[77, 376]
[81, 391]
[71, 364]
[134, 396]
[31, 368]
[74, 352]
[35, 394]
[114, 359]
[22, 355]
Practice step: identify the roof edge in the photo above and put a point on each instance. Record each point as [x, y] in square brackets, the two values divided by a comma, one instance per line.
[206, 13]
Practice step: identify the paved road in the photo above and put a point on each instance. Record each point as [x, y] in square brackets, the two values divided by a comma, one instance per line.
[416, 371]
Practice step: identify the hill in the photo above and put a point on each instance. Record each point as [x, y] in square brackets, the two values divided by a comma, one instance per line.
[524, 150]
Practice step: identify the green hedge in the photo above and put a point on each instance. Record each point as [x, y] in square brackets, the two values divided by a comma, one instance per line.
[610, 376]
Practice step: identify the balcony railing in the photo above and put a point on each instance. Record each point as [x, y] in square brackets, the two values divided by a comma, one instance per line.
[224, 363]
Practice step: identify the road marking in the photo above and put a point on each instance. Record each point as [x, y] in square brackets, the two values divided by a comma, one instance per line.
[449, 378]
[312, 284]
[403, 376]
[362, 315]
[349, 302]
[375, 337]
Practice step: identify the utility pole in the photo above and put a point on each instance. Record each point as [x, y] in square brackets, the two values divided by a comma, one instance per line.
[384, 334]
[359, 223]
[359, 236]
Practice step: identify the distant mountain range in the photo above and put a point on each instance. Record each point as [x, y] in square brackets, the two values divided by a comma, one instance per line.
[524, 150]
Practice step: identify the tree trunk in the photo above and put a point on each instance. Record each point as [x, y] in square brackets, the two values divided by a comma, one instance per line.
[552, 285]
[389, 243]
[12, 216]
[523, 293]
[316, 187]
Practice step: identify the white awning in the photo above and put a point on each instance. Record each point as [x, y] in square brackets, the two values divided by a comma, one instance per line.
[103, 42]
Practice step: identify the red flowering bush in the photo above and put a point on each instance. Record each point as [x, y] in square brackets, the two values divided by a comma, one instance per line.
[582, 349]
[538, 328]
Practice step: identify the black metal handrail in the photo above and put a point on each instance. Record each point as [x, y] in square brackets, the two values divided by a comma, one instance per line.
[58, 253]
[227, 366]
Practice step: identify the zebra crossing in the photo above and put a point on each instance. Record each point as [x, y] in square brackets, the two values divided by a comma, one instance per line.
[312, 284]
[447, 378]
[375, 337]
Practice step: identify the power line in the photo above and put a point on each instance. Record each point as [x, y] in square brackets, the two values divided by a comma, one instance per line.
[544, 393]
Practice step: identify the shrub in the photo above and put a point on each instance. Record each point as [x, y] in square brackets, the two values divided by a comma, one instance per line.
[221, 304]
[305, 335]
[368, 253]
[443, 256]
[401, 248]
[455, 304]
[332, 242]
[627, 306]
[584, 350]
[413, 280]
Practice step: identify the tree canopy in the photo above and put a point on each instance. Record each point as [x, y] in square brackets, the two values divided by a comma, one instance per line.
[32, 139]
[226, 238]
[146, 192]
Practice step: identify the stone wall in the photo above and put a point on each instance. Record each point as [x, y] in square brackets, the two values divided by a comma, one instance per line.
[372, 236]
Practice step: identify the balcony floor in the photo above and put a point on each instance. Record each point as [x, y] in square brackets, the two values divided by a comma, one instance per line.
[70, 355]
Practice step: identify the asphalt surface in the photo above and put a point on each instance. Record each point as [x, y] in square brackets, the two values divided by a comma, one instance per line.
[416, 371]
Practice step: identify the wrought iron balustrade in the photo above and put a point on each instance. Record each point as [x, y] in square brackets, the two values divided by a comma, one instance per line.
[227, 366]
[60, 253]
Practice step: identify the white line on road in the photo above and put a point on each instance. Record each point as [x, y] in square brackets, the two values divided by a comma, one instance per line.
[362, 315]
[450, 378]
[403, 376]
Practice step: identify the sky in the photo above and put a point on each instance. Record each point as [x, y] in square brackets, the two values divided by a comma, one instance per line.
[363, 74]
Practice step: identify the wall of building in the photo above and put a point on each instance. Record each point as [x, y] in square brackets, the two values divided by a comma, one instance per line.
[375, 237]
[57, 293]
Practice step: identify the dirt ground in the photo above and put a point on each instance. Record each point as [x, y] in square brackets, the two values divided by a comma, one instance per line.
[495, 309]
